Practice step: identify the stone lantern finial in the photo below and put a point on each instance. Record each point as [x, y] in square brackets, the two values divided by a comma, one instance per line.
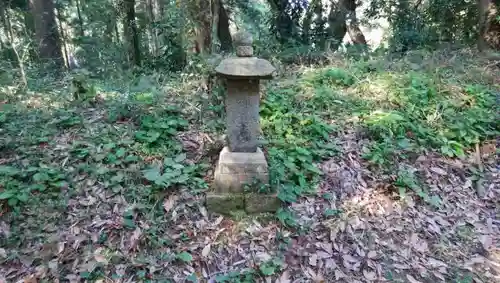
[243, 42]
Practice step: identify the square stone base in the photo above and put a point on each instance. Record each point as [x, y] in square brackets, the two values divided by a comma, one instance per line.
[225, 203]
[235, 169]
[258, 203]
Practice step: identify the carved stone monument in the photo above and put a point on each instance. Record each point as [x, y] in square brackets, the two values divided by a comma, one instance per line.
[241, 162]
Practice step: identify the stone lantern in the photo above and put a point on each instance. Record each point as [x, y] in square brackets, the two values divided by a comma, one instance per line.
[242, 162]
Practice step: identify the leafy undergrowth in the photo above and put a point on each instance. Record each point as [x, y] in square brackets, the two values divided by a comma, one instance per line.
[386, 171]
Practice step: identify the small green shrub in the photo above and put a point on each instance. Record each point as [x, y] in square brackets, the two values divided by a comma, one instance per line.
[159, 128]
[19, 184]
[176, 172]
[406, 179]
[330, 77]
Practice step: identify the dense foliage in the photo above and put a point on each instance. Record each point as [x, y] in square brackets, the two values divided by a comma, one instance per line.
[380, 145]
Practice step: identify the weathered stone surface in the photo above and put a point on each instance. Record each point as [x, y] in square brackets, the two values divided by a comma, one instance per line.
[242, 119]
[235, 169]
[242, 38]
[257, 203]
[246, 68]
[225, 203]
[244, 51]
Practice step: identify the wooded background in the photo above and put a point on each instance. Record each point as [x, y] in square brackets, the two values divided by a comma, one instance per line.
[110, 35]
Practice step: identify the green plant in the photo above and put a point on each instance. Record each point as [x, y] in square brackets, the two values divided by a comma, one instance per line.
[270, 267]
[184, 257]
[160, 128]
[294, 141]
[331, 77]
[257, 186]
[67, 119]
[384, 153]
[286, 217]
[19, 184]
[245, 276]
[406, 179]
[176, 173]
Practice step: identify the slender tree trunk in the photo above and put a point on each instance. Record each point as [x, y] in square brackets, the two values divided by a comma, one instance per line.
[223, 32]
[20, 60]
[488, 25]
[337, 27]
[307, 22]
[117, 34]
[159, 11]
[285, 25]
[151, 27]
[63, 38]
[203, 30]
[5, 20]
[130, 32]
[47, 35]
[9, 26]
[80, 20]
[355, 33]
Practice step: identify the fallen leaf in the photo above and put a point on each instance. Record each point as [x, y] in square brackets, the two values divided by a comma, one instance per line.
[30, 279]
[313, 259]
[439, 171]
[206, 250]
[400, 266]
[421, 246]
[327, 247]
[284, 278]
[339, 274]
[372, 254]
[134, 239]
[369, 275]
[323, 255]
[485, 241]
[218, 220]
[330, 264]
[169, 202]
[349, 258]
[203, 211]
[436, 263]
[99, 257]
[412, 279]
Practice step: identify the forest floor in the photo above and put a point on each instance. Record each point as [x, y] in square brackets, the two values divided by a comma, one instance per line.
[388, 172]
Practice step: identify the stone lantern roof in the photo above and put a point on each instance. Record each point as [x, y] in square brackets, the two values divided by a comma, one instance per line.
[245, 66]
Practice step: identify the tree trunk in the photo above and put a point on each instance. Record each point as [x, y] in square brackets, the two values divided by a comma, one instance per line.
[307, 22]
[47, 35]
[130, 32]
[151, 27]
[488, 25]
[80, 20]
[5, 21]
[285, 25]
[355, 33]
[223, 32]
[63, 37]
[337, 27]
[203, 30]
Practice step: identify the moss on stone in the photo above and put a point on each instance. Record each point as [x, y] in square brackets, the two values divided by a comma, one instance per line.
[225, 203]
[258, 203]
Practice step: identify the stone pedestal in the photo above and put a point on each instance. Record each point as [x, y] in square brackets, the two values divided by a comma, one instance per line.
[242, 163]
[235, 169]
